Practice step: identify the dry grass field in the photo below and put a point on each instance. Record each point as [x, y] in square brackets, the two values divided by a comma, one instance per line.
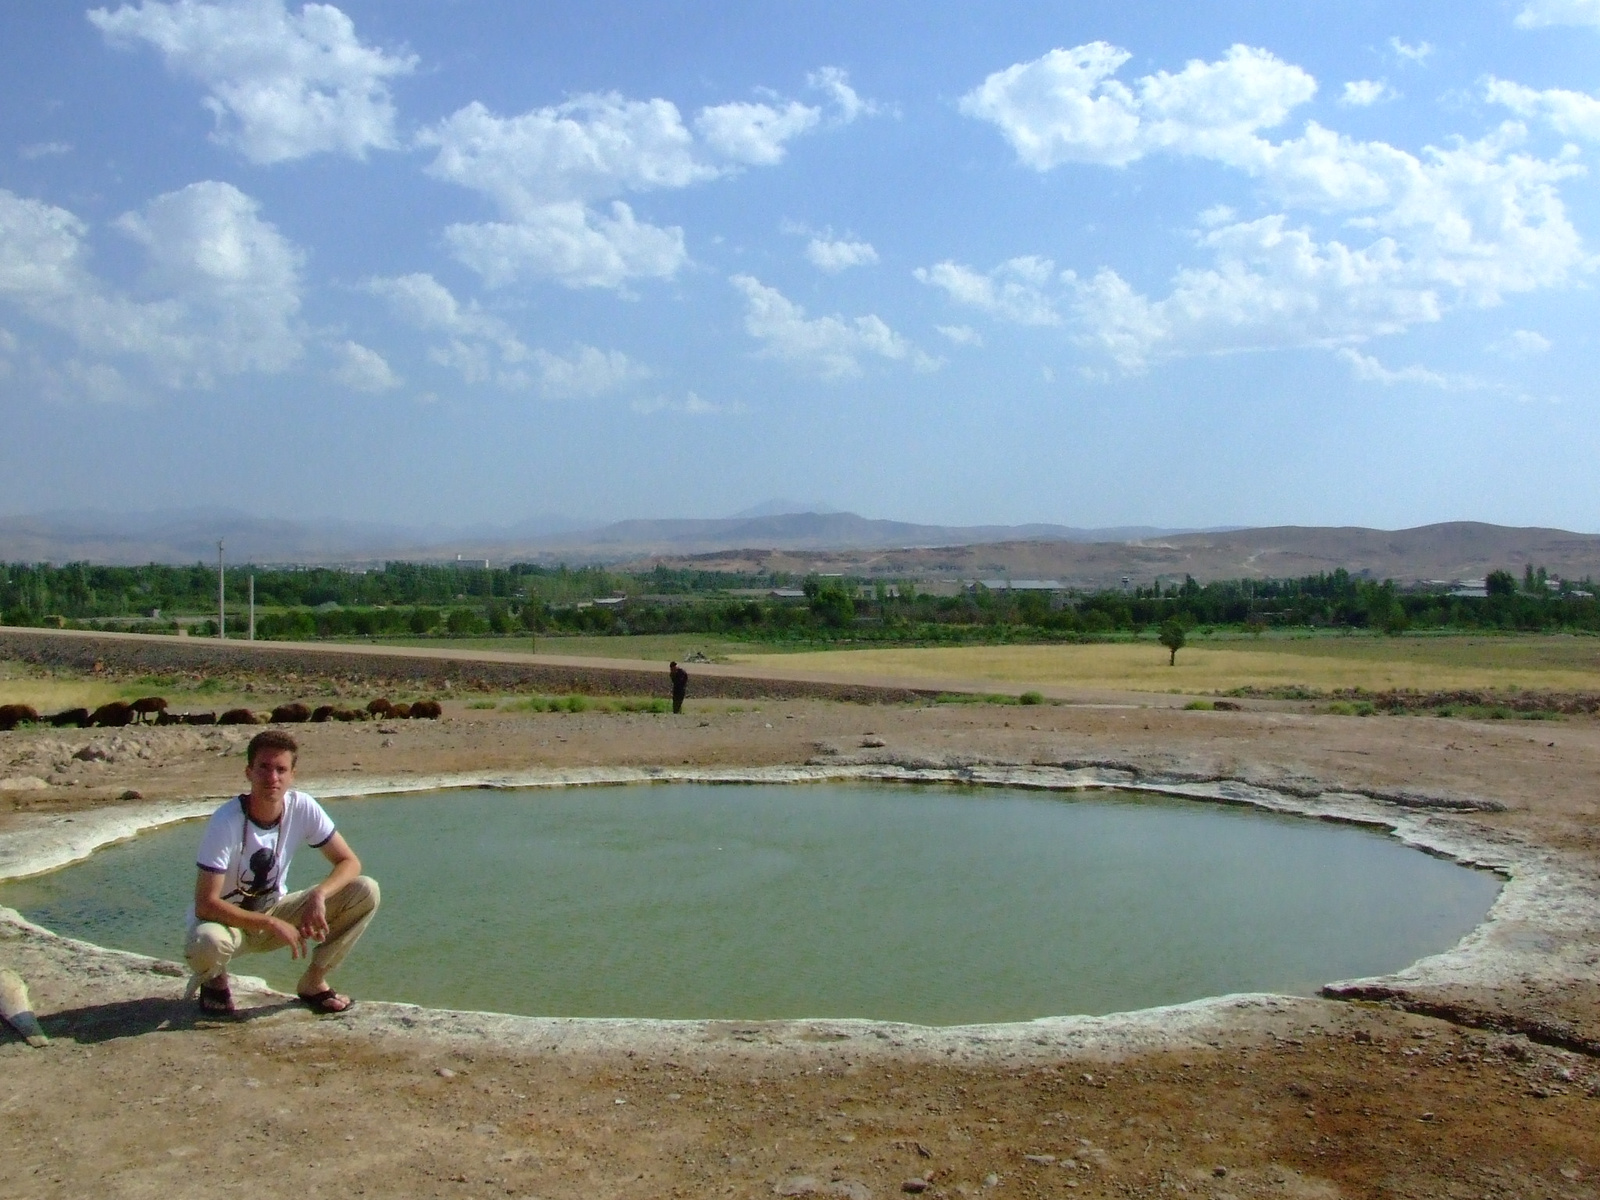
[1563, 664]
[48, 693]
[650, 647]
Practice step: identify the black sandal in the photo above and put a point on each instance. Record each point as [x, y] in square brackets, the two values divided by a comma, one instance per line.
[217, 1001]
[326, 1003]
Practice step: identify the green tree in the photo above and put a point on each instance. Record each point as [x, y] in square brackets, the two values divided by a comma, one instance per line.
[1501, 583]
[830, 601]
[1172, 638]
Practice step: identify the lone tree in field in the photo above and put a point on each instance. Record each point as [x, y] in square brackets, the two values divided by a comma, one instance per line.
[1172, 638]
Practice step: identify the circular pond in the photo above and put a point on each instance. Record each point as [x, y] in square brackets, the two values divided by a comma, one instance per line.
[932, 905]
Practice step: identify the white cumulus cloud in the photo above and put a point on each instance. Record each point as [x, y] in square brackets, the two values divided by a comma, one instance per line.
[1413, 234]
[1364, 93]
[1536, 14]
[1369, 370]
[1068, 107]
[1521, 343]
[483, 348]
[589, 148]
[280, 85]
[960, 335]
[363, 369]
[585, 371]
[835, 82]
[1574, 114]
[754, 133]
[557, 173]
[832, 256]
[1418, 53]
[220, 295]
[691, 405]
[571, 243]
[36, 150]
[1024, 290]
[832, 346]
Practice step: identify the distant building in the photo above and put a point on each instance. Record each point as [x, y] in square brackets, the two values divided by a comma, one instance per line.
[787, 593]
[1022, 585]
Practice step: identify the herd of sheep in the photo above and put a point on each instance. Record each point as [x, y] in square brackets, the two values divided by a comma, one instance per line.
[119, 713]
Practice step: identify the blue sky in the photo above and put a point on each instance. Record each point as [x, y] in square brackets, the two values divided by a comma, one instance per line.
[1100, 264]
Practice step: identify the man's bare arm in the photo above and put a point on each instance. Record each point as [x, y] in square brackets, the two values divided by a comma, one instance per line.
[210, 906]
[346, 867]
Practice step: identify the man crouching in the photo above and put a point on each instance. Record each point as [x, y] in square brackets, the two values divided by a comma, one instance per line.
[239, 900]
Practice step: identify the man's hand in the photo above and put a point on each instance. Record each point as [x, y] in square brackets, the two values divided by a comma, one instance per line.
[314, 918]
[289, 935]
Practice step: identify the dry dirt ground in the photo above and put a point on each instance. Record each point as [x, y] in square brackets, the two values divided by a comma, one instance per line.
[1297, 1098]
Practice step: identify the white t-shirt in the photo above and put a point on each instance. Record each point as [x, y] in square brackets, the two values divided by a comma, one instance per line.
[252, 859]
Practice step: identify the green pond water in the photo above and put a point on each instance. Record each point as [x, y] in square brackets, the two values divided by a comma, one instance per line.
[933, 905]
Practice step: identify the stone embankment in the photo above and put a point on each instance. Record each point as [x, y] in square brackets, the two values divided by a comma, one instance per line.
[406, 667]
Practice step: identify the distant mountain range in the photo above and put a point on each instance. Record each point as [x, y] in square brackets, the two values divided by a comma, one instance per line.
[186, 537]
[805, 542]
[1454, 551]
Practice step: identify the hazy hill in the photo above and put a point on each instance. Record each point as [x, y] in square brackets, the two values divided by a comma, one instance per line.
[187, 537]
[1455, 550]
[801, 543]
[798, 531]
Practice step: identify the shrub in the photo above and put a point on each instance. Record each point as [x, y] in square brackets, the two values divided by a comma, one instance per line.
[1031, 698]
[1346, 708]
[465, 622]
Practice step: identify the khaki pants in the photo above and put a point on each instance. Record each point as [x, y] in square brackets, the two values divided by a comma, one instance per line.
[212, 945]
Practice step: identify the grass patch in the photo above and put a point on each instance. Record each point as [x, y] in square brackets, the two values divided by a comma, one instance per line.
[578, 703]
[1199, 706]
[1352, 708]
[1496, 712]
[484, 704]
[1031, 698]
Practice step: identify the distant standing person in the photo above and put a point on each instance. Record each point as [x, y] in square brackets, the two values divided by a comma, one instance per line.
[240, 905]
[680, 685]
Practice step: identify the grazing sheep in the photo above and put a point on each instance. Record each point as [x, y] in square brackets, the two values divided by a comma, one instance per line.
[380, 707]
[167, 717]
[238, 716]
[205, 718]
[146, 705]
[291, 714]
[349, 714]
[400, 711]
[70, 716]
[112, 716]
[426, 710]
[321, 713]
[12, 715]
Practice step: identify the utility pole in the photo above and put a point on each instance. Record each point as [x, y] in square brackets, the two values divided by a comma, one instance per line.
[222, 612]
[252, 608]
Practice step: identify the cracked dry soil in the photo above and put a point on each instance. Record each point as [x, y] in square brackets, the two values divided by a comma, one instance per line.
[1308, 1098]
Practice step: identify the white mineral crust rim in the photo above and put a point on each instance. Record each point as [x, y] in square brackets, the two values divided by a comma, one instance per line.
[1534, 931]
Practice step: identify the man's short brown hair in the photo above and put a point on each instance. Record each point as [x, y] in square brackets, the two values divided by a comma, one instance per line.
[271, 739]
